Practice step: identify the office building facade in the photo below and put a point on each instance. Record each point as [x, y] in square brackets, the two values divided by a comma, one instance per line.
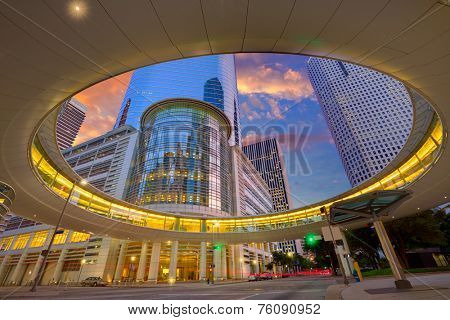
[267, 157]
[211, 79]
[105, 161]
[69, 121]
[369, 114]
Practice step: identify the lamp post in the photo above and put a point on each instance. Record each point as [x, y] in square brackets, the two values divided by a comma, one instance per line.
[46, 252]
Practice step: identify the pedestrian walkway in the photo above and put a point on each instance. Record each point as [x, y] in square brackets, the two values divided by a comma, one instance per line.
[434, 286]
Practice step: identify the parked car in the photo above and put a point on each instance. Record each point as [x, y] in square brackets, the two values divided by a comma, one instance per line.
[93, 282]
[266, 276]
[254, 277]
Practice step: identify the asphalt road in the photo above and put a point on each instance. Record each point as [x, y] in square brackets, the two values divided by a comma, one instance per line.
[278, 289]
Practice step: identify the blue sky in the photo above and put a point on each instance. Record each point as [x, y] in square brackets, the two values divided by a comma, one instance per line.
[277, 100]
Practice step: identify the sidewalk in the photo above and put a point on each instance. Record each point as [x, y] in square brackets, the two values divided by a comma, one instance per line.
[434, 286]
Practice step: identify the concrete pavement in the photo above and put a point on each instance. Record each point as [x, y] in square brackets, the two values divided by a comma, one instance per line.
[435, 286]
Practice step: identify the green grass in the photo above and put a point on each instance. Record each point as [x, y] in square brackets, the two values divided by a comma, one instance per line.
[387, 271]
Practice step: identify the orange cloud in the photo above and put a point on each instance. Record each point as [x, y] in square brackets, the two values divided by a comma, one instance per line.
[276, 80]
[103, 101]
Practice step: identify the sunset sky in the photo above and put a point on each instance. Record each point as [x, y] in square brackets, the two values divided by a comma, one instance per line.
[276, 99]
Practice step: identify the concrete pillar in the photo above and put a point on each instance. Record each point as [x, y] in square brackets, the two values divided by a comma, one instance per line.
[40, 258]
[239, 261]
[400, 280]
[217, 257]
[173, 262]
[3, 265]
[232, 269]
[142, 260]
[263, 262]
[340, 253]
[202, 267]
[224, 263]
[154, 262]
[348, 259]
[19, 267]
[59, 266]
[255, 262]
[120, 261]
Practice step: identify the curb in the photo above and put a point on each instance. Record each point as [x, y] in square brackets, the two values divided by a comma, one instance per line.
[334, 292]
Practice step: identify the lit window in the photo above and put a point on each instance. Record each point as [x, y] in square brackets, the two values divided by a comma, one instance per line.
[39, 239]
[21, 241]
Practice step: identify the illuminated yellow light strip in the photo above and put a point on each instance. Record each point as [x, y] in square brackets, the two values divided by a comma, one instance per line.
[397, 178]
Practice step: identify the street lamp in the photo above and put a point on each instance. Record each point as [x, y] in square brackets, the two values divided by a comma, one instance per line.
[45, 252]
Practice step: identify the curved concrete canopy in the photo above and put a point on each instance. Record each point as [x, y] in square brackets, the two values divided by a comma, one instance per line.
[48, 54]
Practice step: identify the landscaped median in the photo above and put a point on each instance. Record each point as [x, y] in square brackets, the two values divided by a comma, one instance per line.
[388, 272]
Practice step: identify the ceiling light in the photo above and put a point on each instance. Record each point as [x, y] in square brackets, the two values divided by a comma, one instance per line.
[77, 9]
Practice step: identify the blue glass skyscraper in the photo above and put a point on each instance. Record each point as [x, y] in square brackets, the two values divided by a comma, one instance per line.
[211, 79]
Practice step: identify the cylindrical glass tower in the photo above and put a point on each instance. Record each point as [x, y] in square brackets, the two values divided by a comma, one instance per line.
[183, 164]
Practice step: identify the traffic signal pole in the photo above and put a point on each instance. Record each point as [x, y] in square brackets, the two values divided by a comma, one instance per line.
[341, 267]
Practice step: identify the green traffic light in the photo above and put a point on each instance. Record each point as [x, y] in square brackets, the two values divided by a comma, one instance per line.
[218, 246]
[310, 239]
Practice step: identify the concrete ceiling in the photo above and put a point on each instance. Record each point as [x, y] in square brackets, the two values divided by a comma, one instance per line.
[48, 53]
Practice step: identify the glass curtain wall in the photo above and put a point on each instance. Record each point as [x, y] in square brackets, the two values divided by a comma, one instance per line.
[183, 163]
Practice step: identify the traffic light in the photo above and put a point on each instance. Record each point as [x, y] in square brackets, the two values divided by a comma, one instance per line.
[218, 246]
[311, 239]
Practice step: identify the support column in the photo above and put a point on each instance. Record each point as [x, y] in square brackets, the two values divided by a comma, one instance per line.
[19, 267]
[3, 265]
[256, 259]
[40, 258]
[224, 263]
[59, 266]
[400, 280]
[348, 259]
[202, 267]
[264, 261]
[239, 261]
[120, 261]
[217, 255]
[142, 261]
[232, 268]
[340, 253]
[173, 262]
[154, 262]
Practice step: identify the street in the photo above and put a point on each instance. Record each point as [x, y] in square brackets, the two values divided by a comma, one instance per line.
[278, 289]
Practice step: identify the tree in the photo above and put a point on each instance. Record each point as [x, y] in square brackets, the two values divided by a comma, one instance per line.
[269, 266]
[419, 231]
[365, 247]
[279, 258]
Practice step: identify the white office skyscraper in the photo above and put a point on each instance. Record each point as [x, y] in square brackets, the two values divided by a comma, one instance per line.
[369, 114]
[69, 122]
